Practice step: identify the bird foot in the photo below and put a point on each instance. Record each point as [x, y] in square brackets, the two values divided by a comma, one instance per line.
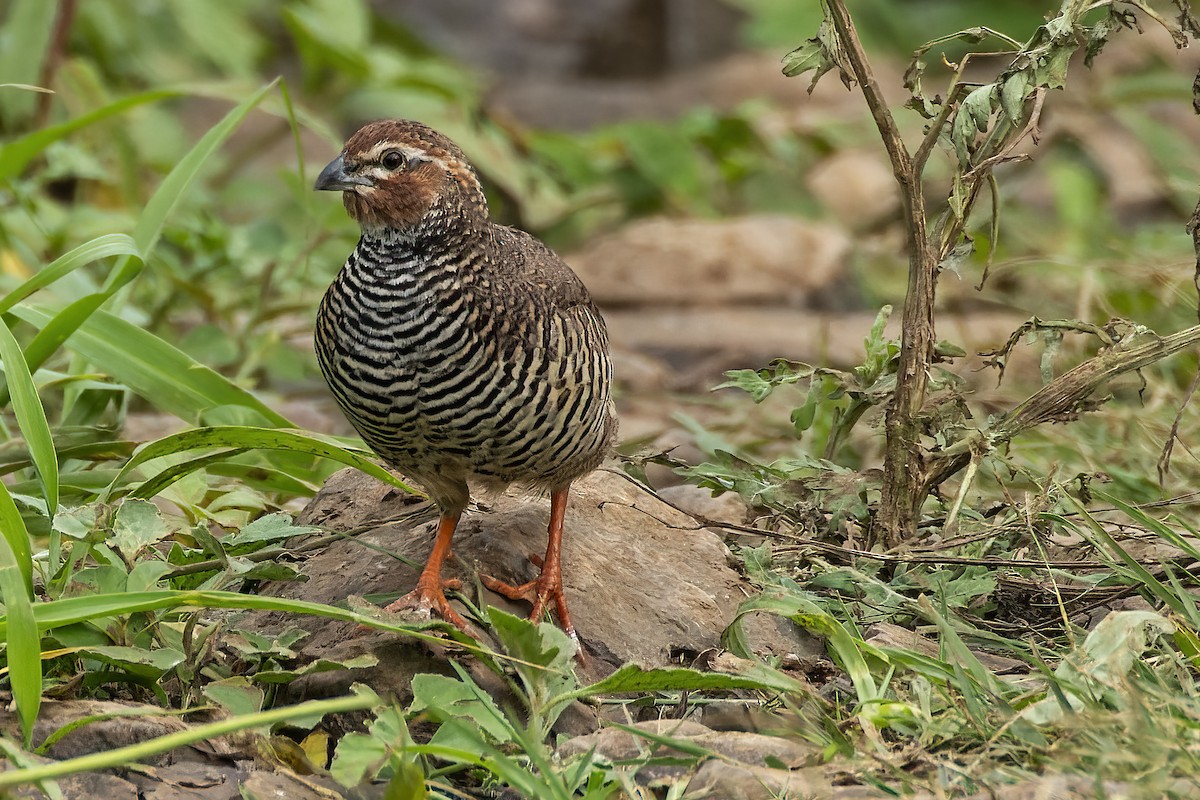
[539, 593]
[430, 599]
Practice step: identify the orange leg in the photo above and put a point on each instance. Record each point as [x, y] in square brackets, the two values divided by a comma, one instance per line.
[548, 584]
[429, 595]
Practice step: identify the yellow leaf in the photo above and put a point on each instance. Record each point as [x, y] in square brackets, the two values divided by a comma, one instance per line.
[316, 748]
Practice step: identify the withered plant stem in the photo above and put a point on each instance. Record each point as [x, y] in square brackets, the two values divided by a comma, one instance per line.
[900, 504]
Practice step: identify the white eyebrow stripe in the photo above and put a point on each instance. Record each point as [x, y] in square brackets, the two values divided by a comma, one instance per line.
[408, 150]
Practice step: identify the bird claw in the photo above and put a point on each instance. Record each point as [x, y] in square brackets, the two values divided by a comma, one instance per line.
[538, 593]
[431, 600]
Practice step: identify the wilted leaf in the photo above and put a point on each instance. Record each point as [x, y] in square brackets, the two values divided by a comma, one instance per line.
[810, 55]
[137, 524]
[820, 54]
[1101, 662]
[1012, 96]
[1051, 71]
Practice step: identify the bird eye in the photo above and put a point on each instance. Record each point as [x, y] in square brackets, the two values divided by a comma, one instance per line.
[393, 159]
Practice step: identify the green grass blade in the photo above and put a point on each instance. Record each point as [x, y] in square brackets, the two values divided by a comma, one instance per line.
[1125, 564]
[27, 36]
[112, 244]
[844, 647]
[250, 438]
[165, 478]
[64, 324]
[123, 756]
[31, 417]
[15, 155]
[13, 531]
[1157, 526]
[57, 613]
[167, 377]
[146, 232]
[173, 187]
[54, 331]
[22, 643]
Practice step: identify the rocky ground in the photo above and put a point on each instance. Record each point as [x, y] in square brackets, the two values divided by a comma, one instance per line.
[648, 573]
[649, 581]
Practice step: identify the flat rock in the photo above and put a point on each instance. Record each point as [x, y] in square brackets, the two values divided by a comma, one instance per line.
[86, 786]
[885, 634]
[755, 259]
[702, 503]
[737, 767]
[113, 725]
[213, 769]
[696, 345]
[644, 581]
[745, 782]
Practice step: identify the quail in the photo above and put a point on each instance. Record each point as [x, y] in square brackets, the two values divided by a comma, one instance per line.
[465, 353]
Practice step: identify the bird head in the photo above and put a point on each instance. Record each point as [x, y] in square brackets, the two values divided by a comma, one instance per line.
[398, 174]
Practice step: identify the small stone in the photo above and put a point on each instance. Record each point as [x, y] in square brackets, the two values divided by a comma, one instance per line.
[857, 186]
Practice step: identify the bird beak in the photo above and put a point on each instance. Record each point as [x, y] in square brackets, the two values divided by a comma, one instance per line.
[334, 178]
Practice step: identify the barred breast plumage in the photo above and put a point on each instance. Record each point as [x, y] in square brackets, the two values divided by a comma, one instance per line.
[459, 349]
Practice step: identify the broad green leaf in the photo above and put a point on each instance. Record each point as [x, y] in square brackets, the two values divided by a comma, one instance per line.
[247, 438]
[441, 698]
[31, 417]
[112, 244]
[164, 375]
[669, 163]
[408, 779]
[358, 757]
[236, 695]
[269, 528]
[21, 640]
[148, 664]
